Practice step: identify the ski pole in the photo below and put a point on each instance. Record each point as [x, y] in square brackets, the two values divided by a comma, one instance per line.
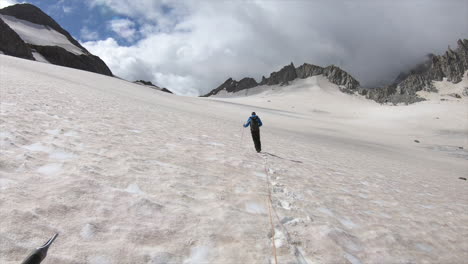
[242, 134]
[39, 254]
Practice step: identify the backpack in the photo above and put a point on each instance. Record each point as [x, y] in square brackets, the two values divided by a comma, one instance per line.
[254, 123]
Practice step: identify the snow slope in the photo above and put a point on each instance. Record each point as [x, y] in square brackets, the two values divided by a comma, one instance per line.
[39, 34]
[128, 174]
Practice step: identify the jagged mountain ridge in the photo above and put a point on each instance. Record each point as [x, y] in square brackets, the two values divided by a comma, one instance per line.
[452, 65]
[13, 44]
[289, 73]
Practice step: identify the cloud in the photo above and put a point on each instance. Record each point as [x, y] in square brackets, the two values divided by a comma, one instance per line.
[67, 9]
[193, 46]
[124, 28]
[5, 3]
[87, 34]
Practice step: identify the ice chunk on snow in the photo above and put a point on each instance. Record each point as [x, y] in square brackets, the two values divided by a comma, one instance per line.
[50, 169]
[134, 188]
[53, 131]
[259, 174]
[88, 231]
[37, 147]
[100, 260]
[198, 255]
[352, 258]
[61, 155]
[326, 211]
[255, 208]
[347, 223]
[424, 247]
[285, 204]
[6, 183]
[279, 238]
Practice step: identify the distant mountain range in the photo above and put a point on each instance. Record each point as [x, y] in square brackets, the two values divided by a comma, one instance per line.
[27, 32]
[452, 65]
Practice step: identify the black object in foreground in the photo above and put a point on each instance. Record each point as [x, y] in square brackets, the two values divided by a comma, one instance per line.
[40, 253]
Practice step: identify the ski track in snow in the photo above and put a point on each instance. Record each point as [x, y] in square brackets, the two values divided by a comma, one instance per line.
[128, 174]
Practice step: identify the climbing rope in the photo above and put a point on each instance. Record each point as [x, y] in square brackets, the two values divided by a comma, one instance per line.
[297, 252]
[270, 208]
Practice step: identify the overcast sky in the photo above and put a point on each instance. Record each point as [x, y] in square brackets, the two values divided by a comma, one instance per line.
[192, 47]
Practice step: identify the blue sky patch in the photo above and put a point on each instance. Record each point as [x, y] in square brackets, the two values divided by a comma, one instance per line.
[81, 20]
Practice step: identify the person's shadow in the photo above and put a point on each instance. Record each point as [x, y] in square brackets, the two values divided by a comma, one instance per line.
[276, 156]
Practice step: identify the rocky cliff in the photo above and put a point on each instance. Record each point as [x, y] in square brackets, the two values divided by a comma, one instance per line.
[289, 73]
[12, 44]
[451, 65]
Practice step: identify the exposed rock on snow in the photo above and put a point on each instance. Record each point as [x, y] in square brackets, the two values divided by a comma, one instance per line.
[12, 44]
[151, 85]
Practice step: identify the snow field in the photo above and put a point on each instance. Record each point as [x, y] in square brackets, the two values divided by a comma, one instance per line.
[127, 174]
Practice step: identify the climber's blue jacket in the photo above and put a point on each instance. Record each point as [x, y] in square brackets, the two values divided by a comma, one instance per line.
[250, 120]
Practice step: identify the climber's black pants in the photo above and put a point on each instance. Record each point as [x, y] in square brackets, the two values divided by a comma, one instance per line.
[256, 139]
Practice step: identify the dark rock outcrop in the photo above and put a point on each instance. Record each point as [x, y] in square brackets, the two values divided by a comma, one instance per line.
[282, 77]
[166, 90]
[233, 86]
[59, 56]
[344, 80]
[148, 83]
[151, 85]
[12, 44]
[306, 70]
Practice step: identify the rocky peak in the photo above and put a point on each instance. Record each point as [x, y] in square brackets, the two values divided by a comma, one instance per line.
[307, 70]
[341, 78]
[12, 43]
[35, 15]
[282, 77]
[232, 86]
[452, 65]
